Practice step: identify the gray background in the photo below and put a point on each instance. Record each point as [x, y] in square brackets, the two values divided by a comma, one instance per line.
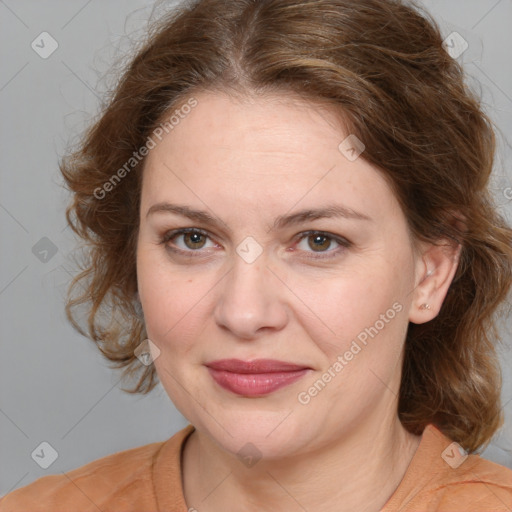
[54, 386]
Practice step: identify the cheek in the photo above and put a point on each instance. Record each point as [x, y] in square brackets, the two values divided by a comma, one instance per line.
[359, 342]
[164, 295]
[361, 317]
[176, 305]
[340, 303]
[170, 309]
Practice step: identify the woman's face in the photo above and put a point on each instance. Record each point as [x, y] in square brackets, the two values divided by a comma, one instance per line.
[327, 292]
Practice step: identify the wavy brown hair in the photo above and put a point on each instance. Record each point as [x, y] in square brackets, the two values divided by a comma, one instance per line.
[381, 65]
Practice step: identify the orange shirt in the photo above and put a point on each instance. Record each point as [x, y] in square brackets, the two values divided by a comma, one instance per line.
[148, 478]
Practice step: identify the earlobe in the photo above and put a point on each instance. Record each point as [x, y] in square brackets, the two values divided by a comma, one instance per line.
[438, 265]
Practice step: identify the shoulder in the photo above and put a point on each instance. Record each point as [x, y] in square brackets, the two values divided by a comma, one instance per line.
[118, 478]
[442, 478]
[477, 485]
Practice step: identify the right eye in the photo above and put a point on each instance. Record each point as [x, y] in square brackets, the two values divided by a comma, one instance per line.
[193, 240]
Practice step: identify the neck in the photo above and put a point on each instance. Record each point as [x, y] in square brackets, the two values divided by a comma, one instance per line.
[360, 471]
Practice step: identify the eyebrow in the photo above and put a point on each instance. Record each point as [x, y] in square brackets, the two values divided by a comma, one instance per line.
[283, 221]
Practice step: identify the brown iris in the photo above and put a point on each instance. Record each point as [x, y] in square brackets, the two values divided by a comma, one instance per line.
[195, 240]
[319, 238]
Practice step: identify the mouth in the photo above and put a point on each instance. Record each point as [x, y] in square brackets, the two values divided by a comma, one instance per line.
[255, 378]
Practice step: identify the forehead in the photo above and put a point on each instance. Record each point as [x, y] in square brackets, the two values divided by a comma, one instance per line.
[281, 122]
[268, 150]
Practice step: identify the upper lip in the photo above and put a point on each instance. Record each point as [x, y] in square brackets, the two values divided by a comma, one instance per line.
[254, 366]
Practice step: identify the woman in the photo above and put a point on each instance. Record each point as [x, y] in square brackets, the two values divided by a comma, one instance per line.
[288, 215]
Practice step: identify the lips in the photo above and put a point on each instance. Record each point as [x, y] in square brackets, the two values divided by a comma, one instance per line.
[255, 378]
[255, 366]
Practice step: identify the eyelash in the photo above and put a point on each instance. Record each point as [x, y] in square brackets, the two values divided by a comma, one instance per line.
[345, 244]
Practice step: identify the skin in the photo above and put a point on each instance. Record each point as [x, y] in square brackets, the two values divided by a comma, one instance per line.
[247, 162]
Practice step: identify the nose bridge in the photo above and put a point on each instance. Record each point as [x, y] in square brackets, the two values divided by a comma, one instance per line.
[249, 298]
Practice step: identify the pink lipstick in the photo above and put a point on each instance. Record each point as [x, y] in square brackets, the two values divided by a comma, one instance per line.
[255, 378]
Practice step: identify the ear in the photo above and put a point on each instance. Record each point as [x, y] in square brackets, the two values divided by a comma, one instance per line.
[435, 269]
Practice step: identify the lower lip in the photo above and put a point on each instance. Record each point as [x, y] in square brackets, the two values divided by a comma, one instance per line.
[255, 384]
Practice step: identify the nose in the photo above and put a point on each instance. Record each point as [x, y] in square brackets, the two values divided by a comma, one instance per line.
[250, 300]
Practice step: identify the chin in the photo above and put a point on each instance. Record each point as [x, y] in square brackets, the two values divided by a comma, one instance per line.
[256, 434]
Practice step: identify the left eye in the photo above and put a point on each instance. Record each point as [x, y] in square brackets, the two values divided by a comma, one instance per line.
[320, 242]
